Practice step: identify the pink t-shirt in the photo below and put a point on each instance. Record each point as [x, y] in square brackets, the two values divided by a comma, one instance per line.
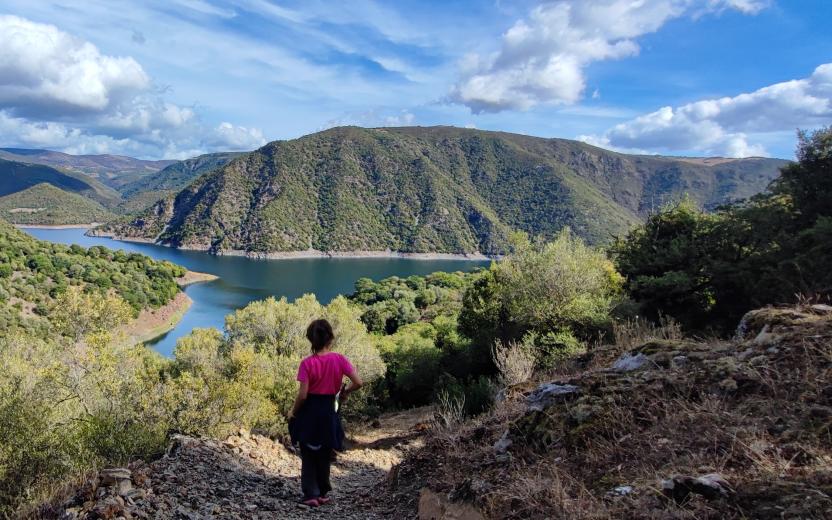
[325, 372]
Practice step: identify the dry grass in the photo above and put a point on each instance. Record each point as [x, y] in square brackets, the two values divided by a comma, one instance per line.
[631, 333]
[515, 362]
[758, 414]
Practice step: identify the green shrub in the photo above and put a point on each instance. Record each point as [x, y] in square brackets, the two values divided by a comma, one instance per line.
[476, 393]
[707, 270]
[559, 290]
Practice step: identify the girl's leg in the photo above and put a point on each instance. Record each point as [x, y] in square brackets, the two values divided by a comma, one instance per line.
[322, 465]
[309, 473]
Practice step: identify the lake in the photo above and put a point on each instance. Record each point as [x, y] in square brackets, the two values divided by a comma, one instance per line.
[243, 280]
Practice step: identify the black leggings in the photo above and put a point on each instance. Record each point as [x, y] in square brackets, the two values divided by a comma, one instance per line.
[314, 472]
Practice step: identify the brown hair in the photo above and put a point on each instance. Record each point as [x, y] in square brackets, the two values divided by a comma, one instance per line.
[320, 334]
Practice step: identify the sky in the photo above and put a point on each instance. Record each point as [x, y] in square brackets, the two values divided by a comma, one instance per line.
[177, 78]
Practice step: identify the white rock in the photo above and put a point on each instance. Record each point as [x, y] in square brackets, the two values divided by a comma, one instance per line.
[630, 362]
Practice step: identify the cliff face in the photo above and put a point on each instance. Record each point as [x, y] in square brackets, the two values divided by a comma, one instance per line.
[426, 190]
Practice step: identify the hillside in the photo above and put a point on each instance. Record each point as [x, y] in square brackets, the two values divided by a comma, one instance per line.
[33, 273]
[17, 176]
[44, 204]
[112, 170]
[438, 189]
[141, 193]
[659, 428]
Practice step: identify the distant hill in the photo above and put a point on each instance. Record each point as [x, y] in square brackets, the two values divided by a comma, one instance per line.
[436, 189]
[16, 176]
[112, 170]
[143, 192]
[45, 204]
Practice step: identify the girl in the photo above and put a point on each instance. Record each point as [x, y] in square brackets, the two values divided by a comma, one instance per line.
[313, 421]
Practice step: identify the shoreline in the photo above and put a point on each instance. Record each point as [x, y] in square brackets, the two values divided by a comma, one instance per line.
[56, 226]
[311, 253]
[192, 277]
[152, 324]
[155, 323]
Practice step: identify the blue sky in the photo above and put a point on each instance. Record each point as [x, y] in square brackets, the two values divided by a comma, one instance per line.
[177, 78]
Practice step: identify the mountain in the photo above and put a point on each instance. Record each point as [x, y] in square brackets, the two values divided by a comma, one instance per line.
[142, 192]
[47, 205]
[436, 189]
[17, 176]
[112, 170]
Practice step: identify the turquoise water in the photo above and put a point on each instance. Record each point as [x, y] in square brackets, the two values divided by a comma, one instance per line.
[243, 280]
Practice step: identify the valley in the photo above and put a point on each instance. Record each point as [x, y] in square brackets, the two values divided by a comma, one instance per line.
[241, 280]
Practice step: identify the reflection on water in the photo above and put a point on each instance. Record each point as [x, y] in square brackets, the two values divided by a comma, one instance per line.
[243, 280]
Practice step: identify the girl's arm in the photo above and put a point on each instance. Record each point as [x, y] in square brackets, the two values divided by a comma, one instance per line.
[299, 400]
[355, 384]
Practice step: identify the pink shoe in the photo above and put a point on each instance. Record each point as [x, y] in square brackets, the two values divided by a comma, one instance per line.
[311, 502]
[324, 500]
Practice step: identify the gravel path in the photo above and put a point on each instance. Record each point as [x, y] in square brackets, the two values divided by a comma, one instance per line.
[252, 477]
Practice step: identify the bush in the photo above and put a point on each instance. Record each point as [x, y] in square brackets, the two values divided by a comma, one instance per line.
[413, 364]
[560, 290]
[475, 395]
[67, 406]
[707, 270]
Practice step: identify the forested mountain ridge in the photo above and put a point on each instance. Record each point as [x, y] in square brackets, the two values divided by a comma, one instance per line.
[142, 192]
[425, 190]
[44, 204]
[17, 176]
[112, 170]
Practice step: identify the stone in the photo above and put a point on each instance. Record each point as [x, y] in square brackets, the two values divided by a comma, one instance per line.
[621, 491]
[433, 506]
[123, 487]
[821, 308]
[679, 361]
[503, 444]
[711, 486]
[630, 362]
[548, 393]
[110, 476]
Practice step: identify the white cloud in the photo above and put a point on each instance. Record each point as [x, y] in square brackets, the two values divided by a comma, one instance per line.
[207, 8]
[47, 72]
[744, 6]
[186, 142]
[60, 92]
[229, 136]
[542, 58]
[373, 118]
[722, 126]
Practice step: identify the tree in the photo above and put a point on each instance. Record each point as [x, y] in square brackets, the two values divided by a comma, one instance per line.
[707, 270]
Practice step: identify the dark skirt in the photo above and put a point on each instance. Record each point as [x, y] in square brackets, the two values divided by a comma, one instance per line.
[318, 424]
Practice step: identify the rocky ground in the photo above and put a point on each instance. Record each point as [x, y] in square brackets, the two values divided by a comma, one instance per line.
[250, 476]
[665, 428]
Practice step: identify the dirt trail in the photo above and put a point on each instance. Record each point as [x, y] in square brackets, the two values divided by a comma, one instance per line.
[252, 477]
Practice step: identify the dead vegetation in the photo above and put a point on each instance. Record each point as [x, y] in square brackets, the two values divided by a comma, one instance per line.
[634, 441]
